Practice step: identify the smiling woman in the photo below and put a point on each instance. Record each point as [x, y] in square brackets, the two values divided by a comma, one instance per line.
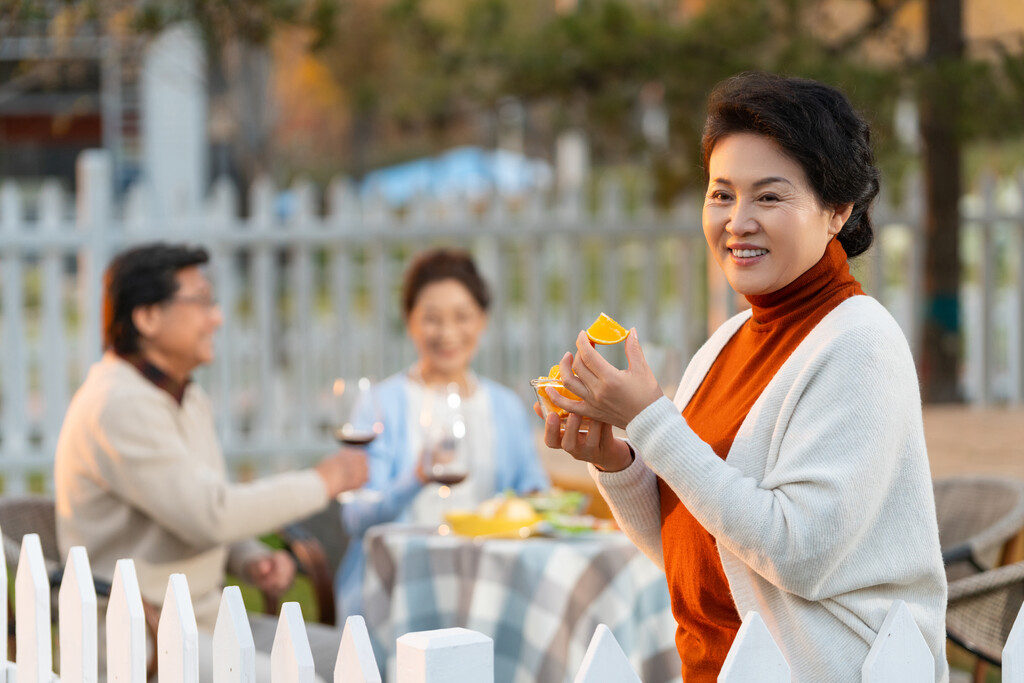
[764, 229]
[789, 476]
[439, 410]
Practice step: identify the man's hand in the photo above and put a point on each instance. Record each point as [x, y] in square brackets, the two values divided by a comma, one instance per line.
[272, 573]
[343, 471]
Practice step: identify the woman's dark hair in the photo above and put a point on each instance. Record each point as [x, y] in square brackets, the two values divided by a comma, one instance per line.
[141, 276]
[815, 125]
[443, 264]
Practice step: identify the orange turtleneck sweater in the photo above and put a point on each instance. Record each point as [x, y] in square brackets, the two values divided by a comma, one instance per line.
[701, 600]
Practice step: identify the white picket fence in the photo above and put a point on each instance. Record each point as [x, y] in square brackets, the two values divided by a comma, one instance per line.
[898, 655]
[313, 295]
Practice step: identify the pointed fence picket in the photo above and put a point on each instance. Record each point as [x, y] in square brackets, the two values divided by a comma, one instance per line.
[177, 637]
[34, 651]
[291, 660]
[898, 655]
[356, 663]
[754, 655]
[899, 652]
[234, 653]
[126, 627]
[77, 630]
[605, 661]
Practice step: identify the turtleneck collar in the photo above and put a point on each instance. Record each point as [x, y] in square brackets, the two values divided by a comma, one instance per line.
[829, 277]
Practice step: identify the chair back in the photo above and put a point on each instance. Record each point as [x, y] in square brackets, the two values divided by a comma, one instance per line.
[978, 516]
[29, 514]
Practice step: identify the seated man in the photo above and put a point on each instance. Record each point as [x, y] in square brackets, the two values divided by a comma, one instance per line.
[139, 472]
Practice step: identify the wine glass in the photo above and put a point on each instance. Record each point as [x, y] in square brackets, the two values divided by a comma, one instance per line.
[356, 421]
[444, 458]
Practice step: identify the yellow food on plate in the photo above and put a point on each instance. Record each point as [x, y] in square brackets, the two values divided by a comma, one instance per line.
[510, 517]
[604, 330]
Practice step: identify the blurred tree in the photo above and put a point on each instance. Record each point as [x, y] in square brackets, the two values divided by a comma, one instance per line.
[941, 98]
[237, 34]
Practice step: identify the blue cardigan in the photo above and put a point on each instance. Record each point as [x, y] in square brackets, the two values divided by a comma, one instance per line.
[393, 472]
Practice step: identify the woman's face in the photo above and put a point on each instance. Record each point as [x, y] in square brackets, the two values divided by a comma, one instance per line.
[445, 325]
[762, 220]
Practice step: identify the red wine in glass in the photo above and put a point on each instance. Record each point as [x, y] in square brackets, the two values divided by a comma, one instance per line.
[448, 478]
[354, 437]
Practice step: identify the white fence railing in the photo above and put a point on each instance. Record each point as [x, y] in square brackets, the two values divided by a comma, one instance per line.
[898, 655]
[313, 295]
[450, 655]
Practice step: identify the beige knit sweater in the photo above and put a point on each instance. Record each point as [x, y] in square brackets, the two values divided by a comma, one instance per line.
[823, 510]
[138, 476]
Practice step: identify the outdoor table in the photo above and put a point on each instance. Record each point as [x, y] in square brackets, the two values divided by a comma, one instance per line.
[539, 599]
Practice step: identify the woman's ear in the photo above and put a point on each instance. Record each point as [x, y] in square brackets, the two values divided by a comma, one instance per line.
[840, 214]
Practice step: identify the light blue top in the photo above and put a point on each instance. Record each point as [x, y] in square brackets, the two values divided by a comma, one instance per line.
[393, 472]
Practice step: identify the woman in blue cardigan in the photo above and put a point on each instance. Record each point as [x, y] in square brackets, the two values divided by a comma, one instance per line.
[444, 301]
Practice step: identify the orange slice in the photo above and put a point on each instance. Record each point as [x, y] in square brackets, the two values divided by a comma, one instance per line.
[568, 394]
[606, 331]
[556, 373]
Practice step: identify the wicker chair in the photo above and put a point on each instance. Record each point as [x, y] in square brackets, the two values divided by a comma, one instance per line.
[981, 611]
[980, 520]
[20, 515]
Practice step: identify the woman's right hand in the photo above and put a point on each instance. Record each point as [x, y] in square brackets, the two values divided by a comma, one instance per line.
[597, 446]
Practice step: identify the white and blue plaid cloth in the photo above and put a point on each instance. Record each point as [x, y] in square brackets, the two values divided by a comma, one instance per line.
[539, 599]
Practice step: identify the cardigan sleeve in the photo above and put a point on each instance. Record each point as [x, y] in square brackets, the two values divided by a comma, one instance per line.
[148, 464]
[633, 497]
[849, 424]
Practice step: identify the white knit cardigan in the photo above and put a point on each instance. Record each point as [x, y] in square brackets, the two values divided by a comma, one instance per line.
[823, 511]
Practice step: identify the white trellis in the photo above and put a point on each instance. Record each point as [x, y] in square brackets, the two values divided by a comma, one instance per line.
[455, 655]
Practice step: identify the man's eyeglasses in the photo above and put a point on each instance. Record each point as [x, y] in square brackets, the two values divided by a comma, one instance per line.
[204, 300]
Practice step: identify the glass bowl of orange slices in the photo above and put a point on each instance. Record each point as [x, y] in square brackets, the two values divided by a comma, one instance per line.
[604, 331]
[554, 380]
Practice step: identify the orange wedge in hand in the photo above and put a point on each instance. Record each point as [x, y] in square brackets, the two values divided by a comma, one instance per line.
[555, 373]
[604, 330]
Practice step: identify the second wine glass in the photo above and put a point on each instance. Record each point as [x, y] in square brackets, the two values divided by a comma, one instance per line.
[356, 421]
[444, 455]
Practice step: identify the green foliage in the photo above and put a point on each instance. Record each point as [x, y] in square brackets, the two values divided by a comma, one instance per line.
[251, 21]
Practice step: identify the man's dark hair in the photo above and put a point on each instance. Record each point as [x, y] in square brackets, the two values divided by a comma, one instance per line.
[141, 276]
[443, 264]
[816, 126]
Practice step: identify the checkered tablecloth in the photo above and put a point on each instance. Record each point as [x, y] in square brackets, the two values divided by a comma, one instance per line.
[539, 599]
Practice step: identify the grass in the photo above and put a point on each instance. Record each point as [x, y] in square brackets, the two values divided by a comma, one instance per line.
[300, 592]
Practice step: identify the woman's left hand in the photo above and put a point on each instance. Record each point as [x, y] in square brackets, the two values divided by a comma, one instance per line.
[606, 393]
[597, 446]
